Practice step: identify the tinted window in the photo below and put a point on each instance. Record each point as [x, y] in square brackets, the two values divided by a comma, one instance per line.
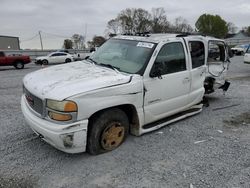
[248, 50]
[172, 58]
[197, 50]
[56, 54]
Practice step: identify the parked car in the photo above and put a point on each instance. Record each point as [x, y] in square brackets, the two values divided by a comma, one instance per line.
[17, 60]
[55, 57]
[247, 56]
[240, 49]
[131, 84]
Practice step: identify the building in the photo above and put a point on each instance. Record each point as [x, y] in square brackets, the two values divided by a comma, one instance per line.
[238, 38]
[9, 43]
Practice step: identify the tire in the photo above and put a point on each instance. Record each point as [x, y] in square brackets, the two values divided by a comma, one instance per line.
[107, 131]
[45, 62]
[19, 65]
[67, 60]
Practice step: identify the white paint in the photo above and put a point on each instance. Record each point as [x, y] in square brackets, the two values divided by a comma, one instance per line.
[95, 88]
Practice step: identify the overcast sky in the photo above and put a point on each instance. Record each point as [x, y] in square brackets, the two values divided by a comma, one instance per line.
[63, 18]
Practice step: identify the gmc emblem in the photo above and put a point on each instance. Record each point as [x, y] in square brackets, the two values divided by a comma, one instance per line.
[30, 100]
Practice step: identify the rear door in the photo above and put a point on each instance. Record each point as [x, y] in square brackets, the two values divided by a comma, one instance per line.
[217, 59]
[198, 69]
[55, 58]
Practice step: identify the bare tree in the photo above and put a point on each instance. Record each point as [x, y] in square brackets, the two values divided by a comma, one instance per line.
[231, 28]
[67, 44]
[78, 41]
[159, 22]
[141, 21]
[126, 20]
[181, 26]
[113, 26]
[134, 20]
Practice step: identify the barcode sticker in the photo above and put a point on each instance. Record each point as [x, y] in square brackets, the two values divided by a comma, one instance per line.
[145, 45]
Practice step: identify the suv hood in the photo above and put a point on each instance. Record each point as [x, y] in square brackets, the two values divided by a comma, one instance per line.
[62, 81]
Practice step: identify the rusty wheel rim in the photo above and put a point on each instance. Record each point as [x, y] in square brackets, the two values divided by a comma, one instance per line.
[112, 136]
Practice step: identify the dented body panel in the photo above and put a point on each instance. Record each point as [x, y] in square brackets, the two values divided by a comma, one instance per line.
[154, 99]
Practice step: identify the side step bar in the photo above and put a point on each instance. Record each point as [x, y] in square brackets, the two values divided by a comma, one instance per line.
[176, 117]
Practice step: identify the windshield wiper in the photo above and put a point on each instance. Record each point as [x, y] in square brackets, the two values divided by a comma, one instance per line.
[91, 60]
[109, 66]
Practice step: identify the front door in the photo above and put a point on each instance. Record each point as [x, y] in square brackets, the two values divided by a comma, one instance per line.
[168, 93]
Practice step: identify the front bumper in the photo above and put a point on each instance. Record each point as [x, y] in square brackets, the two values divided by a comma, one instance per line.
[38, 62]
[70, 138]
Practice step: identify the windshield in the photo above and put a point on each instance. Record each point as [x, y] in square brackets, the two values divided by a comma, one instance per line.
[126, 55]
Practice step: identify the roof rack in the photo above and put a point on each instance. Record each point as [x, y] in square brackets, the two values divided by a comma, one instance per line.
[189, 34]
[143, 34]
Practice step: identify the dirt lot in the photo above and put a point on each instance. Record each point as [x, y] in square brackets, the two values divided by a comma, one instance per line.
[210, 149]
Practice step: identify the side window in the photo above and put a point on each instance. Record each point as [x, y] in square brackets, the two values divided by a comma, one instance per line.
[54, 55]
[172, 58]
[248, 50]
[216, 51]
[197, 50]
[1, 54]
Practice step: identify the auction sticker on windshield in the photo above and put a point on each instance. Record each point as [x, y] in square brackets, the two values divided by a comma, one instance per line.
[145, 45]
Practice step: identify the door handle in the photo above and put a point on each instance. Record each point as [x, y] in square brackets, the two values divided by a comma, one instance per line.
[185, 80]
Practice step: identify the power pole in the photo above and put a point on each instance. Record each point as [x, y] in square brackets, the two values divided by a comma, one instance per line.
[86, 29]
[39, 32]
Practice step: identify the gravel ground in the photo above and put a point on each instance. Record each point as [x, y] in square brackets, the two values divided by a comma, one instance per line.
[210, 149]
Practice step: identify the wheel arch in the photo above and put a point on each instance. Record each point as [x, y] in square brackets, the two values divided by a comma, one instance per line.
[18, 61]
[130, 111]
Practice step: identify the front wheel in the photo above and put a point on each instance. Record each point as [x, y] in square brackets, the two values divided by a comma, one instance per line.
[19, 65]
[107, 131]
[45, 62]
[67, 60]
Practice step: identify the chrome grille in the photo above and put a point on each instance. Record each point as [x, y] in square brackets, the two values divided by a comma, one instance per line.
[34, 102]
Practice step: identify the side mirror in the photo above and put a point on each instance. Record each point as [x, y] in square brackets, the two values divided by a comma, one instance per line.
[157, 70]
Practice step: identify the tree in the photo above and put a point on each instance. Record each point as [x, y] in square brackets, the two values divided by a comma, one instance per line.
[78, 41]
[181, 26]
[159, 22]
[68, 44]
[231, 28]
[212, 25]
[246, 29]
[142, 20]
[113, 26]
[97, 41]
[134, 20]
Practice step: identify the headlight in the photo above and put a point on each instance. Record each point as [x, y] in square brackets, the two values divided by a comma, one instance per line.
[62, 106]
[61, 110]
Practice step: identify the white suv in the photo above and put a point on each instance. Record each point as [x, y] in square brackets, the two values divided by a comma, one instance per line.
[132, 84]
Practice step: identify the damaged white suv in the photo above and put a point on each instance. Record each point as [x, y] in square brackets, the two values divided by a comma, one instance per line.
[132, 84]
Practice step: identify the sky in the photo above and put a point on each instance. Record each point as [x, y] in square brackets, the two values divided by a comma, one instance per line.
[60, 19]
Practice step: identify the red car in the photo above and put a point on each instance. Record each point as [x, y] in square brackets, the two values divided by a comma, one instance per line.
[18, 61]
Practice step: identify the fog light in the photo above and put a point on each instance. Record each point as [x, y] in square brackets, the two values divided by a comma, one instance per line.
[60, 117]
[68, 139]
